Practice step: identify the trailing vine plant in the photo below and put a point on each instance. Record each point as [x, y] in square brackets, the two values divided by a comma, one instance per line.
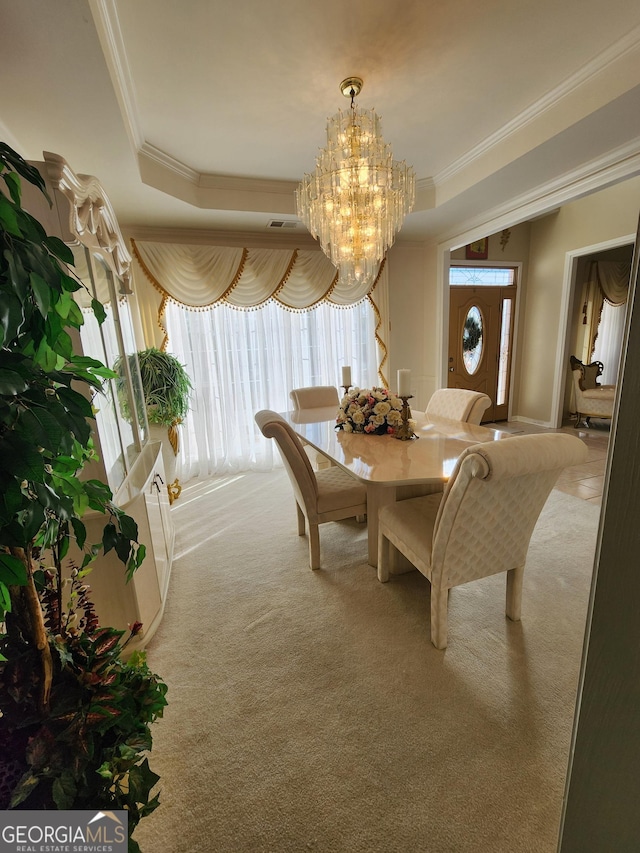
[166, 388]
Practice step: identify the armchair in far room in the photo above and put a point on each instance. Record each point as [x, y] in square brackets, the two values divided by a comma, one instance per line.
[458, 404]
[592, 400]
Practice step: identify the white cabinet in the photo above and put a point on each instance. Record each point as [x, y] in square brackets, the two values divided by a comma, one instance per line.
[128, 460]
[119, 604]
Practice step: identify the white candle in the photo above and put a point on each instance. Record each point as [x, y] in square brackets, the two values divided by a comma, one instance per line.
[404, 383]
[346, 375]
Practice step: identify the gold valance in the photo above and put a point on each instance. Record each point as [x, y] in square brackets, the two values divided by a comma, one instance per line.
[203, 276]
[199, 277]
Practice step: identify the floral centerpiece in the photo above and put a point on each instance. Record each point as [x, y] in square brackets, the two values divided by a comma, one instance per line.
[375, 411]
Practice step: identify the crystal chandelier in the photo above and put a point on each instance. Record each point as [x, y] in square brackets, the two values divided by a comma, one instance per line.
[356, 199]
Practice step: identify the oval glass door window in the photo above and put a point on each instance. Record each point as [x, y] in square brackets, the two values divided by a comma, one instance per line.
[472, 339]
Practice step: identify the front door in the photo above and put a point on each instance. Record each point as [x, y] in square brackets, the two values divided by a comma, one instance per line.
[480, 332]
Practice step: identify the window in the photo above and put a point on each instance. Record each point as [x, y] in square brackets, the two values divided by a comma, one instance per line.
[244, 361]
[490, 276]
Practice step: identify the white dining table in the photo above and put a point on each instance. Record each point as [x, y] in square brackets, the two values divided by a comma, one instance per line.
[391, 469]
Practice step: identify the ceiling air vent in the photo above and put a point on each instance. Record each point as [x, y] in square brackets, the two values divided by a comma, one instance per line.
[282, 223]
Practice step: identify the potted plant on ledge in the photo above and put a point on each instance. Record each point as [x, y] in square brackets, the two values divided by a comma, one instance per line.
[166, 387]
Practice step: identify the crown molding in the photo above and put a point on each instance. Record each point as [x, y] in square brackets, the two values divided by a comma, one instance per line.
[205, 189]
[215, 192]
[258, 185]
[615, 166]
[105, 16]
[621, 49]
[168, 162]
[227, 192]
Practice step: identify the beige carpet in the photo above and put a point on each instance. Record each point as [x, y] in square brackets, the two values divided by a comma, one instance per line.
[308, 711]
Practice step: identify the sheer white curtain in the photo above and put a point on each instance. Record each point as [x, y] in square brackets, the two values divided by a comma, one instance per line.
[609, 340]
[244, 361]
[606, 286]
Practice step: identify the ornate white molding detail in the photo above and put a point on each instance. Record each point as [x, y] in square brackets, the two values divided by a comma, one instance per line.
[91, 218]
[170, 163]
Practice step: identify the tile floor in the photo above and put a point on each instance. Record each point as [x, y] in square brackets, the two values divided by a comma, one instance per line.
[582, 481]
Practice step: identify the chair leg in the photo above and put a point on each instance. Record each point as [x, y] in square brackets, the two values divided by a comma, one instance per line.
[314, 546]
[301, 520]
[439, 603]
[383, 557]
[515, 579]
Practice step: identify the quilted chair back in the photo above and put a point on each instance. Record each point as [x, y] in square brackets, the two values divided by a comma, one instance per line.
[458, 404]
[296, 461]
[492, 502]
[314, 397]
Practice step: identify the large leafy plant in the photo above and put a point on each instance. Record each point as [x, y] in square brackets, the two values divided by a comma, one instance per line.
[74, 715]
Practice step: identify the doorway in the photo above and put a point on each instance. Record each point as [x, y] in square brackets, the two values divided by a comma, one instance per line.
[481, 315]
[580, 320]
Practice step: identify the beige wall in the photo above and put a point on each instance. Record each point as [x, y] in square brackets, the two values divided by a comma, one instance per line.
[418, 306]
[416, 284]
[413, 313]
[512, 246]
[611, 214]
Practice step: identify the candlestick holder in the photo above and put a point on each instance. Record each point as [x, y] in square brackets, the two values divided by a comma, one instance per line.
[404, 431]
[346, 388]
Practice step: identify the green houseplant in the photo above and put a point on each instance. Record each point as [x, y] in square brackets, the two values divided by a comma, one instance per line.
[166, 387]
[74, 715]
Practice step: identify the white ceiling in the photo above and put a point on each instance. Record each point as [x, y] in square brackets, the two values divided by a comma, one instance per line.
[204, 114]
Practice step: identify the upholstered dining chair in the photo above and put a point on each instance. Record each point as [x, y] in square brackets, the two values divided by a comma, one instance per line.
[327, 495]
[314, 397]
[458, 404]
[482, 523]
